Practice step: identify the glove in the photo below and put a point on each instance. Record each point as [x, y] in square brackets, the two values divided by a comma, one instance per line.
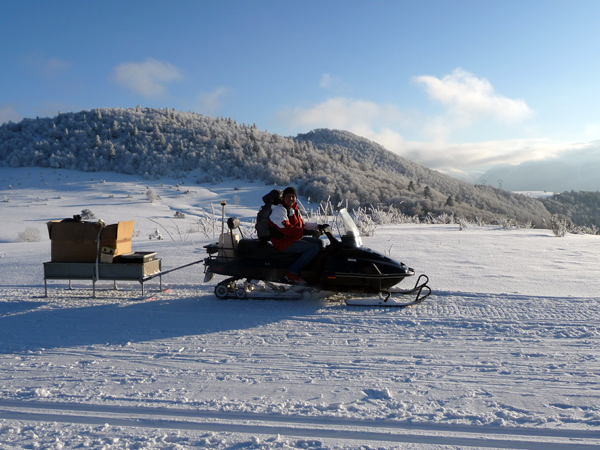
[323, 228]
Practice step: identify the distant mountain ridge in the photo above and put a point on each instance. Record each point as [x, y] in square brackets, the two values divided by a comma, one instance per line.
[575, 171]
[323, 164]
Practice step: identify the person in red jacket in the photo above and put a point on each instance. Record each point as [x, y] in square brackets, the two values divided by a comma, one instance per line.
[287, 231]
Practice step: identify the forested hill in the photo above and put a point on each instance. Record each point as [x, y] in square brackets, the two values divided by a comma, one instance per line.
[322, 164]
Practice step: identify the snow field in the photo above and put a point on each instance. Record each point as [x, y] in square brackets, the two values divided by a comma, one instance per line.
[504, 354]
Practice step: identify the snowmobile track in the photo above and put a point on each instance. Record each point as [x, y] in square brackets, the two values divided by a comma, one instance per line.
[300, 426]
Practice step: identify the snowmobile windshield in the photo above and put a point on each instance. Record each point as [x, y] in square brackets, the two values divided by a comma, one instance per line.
[348, 229]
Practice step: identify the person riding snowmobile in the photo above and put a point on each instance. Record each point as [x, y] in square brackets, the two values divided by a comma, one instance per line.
[287, 234]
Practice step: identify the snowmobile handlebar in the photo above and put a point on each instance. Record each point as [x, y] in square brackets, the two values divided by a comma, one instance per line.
[332, 239]
[320, 231]
[324, 229]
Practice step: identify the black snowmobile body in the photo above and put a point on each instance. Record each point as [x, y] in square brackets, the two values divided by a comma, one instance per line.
[343, 266]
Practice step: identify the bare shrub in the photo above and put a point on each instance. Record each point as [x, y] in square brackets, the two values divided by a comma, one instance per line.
[558, 225]
[29, 234]
[364, 221]
[86, 214]
[205, 225]
[151, 195]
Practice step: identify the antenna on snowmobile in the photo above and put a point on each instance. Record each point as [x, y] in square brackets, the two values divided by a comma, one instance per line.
[223, 203]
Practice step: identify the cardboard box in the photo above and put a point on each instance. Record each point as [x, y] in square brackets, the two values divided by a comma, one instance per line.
[77, 241]
[136, 258]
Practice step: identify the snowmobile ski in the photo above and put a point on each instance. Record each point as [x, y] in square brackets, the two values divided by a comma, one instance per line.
[393, 297]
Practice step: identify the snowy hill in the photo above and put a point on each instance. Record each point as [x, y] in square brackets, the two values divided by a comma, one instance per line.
[324, 164]
[504, 354]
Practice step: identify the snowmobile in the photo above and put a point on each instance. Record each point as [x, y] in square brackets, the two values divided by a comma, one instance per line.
[342, 267]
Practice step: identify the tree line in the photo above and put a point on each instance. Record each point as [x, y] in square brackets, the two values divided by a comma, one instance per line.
[582, 208]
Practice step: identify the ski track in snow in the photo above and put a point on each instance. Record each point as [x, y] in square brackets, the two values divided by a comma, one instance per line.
[504, 354]
[296, 426]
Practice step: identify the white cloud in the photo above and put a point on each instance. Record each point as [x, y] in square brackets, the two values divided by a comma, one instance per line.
[363, 118]
[55, 66]
[329, 81]
[326, 81]
[334, 84]
[147, 78]
[210, 102]
[8, 113]
[48, 67]
[344, 114]
[481, 155]
[469, 98]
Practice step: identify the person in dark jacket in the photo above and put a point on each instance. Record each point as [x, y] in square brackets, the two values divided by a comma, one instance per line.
[289, 228]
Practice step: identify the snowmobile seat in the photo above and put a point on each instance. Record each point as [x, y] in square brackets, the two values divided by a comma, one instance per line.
[254, 248]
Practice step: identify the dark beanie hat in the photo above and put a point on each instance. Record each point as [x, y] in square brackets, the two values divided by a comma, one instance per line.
[290, 190]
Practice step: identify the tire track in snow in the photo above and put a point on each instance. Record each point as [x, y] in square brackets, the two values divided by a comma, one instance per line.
[300, 426]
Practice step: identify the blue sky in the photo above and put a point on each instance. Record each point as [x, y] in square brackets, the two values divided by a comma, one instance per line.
[454, 85]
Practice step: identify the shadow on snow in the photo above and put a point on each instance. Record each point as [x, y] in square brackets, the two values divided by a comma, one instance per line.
[24, 328]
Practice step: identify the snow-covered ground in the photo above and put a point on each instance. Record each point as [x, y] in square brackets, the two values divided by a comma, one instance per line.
[504, 354]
